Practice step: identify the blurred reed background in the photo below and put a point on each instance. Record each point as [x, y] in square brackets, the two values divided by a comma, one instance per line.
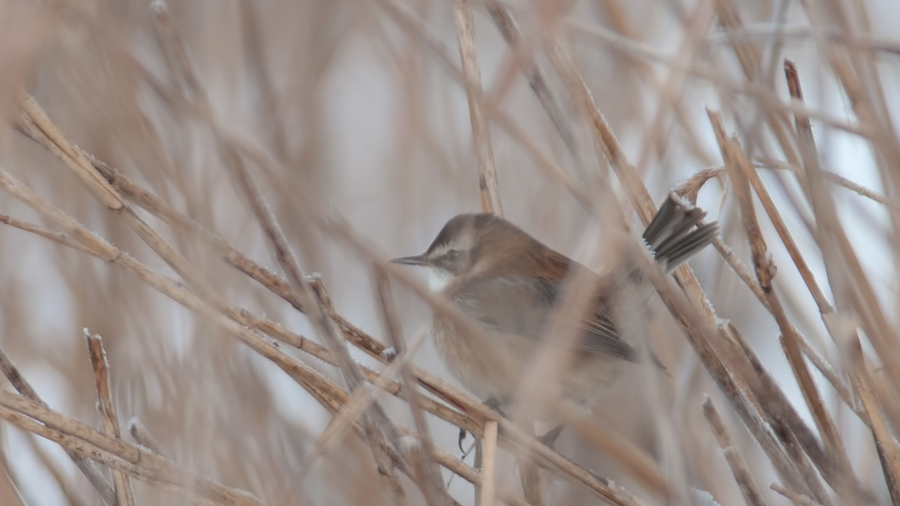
[217, 133]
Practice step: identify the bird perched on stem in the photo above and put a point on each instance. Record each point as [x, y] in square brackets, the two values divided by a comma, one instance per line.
[513, 285]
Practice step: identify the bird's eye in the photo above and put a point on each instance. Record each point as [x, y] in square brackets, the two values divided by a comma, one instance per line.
[452, 255]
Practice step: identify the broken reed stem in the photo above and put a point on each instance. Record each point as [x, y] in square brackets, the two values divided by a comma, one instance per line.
[86, 466]
[108, 416]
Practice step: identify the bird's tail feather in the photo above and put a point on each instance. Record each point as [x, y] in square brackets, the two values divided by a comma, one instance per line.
[675, 234]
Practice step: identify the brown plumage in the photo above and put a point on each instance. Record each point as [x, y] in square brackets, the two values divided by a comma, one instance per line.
[512, 285]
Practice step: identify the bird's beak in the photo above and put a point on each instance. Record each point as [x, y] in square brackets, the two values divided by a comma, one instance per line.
[413, 260]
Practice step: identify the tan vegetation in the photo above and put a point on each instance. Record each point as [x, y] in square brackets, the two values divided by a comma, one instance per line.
[215, 187]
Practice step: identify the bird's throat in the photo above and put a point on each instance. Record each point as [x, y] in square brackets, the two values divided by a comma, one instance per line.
[438, 279]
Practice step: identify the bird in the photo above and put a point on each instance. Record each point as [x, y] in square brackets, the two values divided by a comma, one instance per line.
[512, 285]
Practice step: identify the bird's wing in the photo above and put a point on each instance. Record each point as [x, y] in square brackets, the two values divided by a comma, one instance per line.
[506, 305]
[524, 305]
[601, 336]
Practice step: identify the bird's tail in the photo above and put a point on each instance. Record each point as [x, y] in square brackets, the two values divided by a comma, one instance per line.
[675, 234]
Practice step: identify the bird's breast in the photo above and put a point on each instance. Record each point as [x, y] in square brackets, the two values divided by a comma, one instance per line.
[489, 364]
[511, 314]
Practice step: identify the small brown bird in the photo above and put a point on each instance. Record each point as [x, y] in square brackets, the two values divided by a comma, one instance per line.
[512, 285]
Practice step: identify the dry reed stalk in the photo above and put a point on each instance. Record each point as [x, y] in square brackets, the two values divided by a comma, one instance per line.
[489, 465]
[420, 32]
[375, 423]
[309, 379]
[484, 152]
[428, 472]
[143, 437]
[738, 165]
[175, 225]
[137, 462]
[736, 461]
[799, 499]
[121, 483]
[640, 199]
[525, 61]
[86, 466]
